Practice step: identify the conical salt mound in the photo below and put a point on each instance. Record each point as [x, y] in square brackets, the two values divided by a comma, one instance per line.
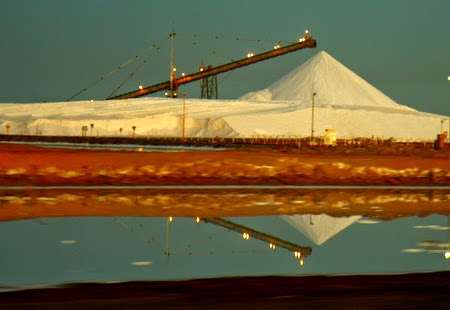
[334, 84]
[319, 228]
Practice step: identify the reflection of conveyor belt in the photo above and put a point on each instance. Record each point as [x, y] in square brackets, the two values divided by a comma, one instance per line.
[300, 251]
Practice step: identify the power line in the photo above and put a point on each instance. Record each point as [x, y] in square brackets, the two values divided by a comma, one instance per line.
[222, 37]
[154, 47]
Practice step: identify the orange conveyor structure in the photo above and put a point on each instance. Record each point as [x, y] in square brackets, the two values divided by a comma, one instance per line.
[175, 82]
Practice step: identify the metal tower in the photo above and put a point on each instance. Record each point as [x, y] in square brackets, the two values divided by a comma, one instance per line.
[208, 86]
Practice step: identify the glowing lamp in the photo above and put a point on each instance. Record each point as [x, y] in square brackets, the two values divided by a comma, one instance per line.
[447, 255]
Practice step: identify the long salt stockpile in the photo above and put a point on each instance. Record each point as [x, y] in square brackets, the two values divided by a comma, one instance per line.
[343, 101]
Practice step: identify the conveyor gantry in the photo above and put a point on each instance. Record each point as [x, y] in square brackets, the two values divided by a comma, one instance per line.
[175, 82]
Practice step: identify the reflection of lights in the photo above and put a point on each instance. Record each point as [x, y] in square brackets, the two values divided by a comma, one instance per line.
[430, 244]
[68, 241]
[249, 55]
[144, 263]
[141, 87]
[272, 246]
[436, 251]
[302, 262]
[368, 222]
[246, 236]
[170, 219]
[183, 74]
[434, 227]
[297, 254]
[413, 250]
[447, 255]
[197, 219]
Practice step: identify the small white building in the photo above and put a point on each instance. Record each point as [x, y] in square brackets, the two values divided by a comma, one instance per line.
[330, 137]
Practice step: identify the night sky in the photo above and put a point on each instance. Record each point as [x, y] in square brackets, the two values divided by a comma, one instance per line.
[52, 49]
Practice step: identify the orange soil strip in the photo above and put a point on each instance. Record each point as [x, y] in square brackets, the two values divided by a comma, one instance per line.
[22, 165]
[374, 203]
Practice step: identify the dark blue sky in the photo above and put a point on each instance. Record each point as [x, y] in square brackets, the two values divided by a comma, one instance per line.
[51, 49]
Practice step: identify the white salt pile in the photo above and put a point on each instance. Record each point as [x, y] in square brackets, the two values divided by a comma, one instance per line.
[343, 101]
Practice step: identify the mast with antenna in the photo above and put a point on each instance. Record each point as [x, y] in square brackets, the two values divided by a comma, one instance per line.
[172, 88]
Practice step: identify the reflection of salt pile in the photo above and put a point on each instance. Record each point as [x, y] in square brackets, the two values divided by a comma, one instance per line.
[344, 101]
[319, 228]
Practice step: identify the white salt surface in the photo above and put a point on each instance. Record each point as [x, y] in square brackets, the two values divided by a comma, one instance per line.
[343, 101]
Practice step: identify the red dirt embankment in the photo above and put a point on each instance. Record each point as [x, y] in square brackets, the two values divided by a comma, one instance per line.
[24, 165]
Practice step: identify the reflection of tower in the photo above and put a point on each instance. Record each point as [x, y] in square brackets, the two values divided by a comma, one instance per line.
[447, 253]
[169, 220]
[208, 86]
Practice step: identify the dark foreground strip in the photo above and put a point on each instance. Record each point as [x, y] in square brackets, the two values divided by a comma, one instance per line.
[420, 290]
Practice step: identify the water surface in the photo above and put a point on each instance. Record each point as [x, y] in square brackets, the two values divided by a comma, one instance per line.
[46, 242]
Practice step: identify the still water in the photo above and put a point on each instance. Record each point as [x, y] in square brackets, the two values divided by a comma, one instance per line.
[58, 235]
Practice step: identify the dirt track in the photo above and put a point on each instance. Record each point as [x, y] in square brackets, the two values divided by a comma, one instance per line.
[23, 165]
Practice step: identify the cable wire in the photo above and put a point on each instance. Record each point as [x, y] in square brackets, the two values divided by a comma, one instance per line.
[239, 39]
[154, 46]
